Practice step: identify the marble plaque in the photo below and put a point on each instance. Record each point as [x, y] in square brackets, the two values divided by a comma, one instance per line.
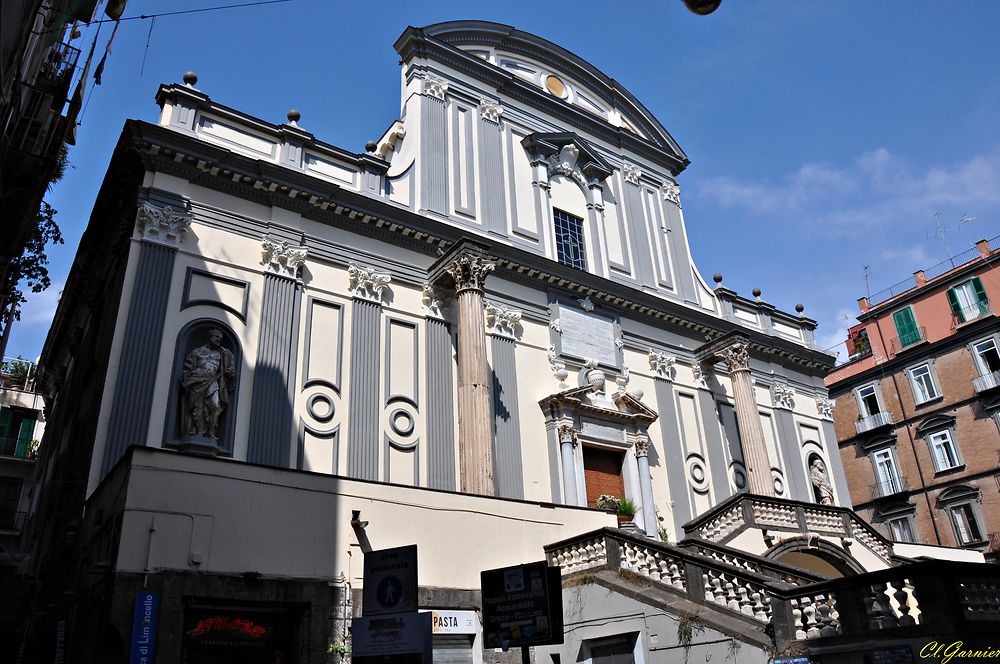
[588, 336]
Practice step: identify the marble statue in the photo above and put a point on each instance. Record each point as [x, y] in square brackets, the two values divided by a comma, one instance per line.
[207, 378]
[821, 484]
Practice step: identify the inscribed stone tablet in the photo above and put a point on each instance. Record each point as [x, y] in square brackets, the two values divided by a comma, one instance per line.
[588, 336]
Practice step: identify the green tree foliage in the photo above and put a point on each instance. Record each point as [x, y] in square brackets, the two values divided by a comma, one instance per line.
[30, 269]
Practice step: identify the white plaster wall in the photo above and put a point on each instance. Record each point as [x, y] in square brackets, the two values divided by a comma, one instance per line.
[224, 516]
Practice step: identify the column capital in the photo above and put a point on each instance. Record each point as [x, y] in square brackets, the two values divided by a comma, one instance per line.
[464, 267]
[641, 445]
[567, 434]
[736, 356]
[281, 259]
[162, 224]
[367, 284]
[502, 320]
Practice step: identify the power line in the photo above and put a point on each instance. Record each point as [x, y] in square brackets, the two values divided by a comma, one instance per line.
[142, 17]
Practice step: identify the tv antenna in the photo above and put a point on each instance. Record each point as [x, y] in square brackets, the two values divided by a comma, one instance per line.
[941, 231]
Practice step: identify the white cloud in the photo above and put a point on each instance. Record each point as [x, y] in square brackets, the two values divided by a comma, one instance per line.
[877, 190]
[41, 307]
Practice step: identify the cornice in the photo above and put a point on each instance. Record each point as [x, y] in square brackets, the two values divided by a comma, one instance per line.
[267, 183]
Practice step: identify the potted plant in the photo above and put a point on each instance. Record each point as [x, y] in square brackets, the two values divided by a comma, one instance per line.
[626, 511]
[607, 503]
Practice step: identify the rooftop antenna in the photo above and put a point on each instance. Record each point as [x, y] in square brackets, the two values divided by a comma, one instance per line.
[940, 231]
[868, 286]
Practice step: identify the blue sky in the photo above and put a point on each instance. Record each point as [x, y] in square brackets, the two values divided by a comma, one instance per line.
[823, 135]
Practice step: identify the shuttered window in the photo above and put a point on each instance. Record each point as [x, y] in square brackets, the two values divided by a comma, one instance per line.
[968, 301]
[906, 327]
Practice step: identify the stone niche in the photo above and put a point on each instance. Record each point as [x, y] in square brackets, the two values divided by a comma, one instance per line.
[197, 335]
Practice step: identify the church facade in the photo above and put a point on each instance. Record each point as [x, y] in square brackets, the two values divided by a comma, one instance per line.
[273, 353]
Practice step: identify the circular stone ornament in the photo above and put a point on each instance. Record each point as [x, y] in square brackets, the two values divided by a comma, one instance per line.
[555, 86]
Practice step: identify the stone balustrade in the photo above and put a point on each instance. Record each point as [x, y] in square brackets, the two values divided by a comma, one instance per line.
[743, 511]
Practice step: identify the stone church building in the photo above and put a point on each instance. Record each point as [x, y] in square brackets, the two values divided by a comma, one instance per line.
[273, 353]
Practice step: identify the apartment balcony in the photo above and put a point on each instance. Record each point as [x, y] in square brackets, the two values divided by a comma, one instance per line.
[873, 422]
[909, 339]
[986, 383]
[16, 446]
[890, 488]
[968, 314]
[56, 71]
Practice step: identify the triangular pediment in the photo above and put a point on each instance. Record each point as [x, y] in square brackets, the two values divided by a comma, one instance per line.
[570, 148]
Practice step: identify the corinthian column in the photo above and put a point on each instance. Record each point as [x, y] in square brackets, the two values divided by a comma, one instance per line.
[475, 431]
[737, 357]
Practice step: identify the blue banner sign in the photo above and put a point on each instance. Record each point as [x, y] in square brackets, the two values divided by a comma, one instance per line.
[144, 628]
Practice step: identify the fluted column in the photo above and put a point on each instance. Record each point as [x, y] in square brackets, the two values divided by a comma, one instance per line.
[567, 445]
[737, 357]
[646, 485]
[475, 431]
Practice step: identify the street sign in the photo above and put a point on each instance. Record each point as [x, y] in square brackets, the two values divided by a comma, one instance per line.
[390, 581]
[144, 620]
[522, 606]
[399, 634]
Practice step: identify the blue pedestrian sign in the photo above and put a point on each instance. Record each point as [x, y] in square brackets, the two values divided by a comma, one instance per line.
[390, 581]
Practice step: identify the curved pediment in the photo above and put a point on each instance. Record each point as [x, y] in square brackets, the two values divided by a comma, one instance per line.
[552, 71]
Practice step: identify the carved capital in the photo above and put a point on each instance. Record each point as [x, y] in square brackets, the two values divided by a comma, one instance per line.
[162, 225]
[567, 434]
[631, 173]
[700, 378]
[367, 284]
[825, 407]
[490, 110]
[736, 356]
[661, 364]
[783, 396]
[671, 192]
[430, 303]
[641, 445]
[281, 258]
[502, 320]
[434, 87]
[469, 272]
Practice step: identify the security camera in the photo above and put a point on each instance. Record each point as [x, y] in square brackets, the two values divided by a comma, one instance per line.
[702, 7]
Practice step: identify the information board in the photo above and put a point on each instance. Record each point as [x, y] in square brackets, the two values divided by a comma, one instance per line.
[390, 581]
[522, 606]
[395, 635]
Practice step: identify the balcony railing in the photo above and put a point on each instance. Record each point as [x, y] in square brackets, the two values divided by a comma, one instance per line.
[987, 382]
[889, 488]
[56, 71]
[11, 521]
[872, 422]
[909, 339]
[39, 124]
[15, 446]
[971, 313]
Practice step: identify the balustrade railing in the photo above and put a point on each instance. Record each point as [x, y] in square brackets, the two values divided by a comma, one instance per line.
[939, 596]
[872, 422]
[986, 382]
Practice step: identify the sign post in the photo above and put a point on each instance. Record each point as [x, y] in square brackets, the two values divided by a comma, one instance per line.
[390, 626]
[522, 606]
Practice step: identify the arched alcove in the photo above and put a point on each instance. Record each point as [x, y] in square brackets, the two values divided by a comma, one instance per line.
[193, 336]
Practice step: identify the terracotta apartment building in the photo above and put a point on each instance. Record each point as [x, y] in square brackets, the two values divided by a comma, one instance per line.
[918, 405]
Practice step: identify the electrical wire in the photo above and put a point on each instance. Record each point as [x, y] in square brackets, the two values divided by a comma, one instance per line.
[143, 17]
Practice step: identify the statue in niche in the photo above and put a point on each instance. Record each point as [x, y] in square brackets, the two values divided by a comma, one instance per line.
[207, 378]
[821, 483]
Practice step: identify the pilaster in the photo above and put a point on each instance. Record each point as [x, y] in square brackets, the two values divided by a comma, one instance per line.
[272, 425]
[162, 231]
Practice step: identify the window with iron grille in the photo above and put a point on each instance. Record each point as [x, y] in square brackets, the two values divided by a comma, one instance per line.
[570, 249]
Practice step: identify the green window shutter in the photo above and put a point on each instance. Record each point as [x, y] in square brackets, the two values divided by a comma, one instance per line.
[906, 326]
[977, 286]
[24, 438]
[956, 308]
[4, 422]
